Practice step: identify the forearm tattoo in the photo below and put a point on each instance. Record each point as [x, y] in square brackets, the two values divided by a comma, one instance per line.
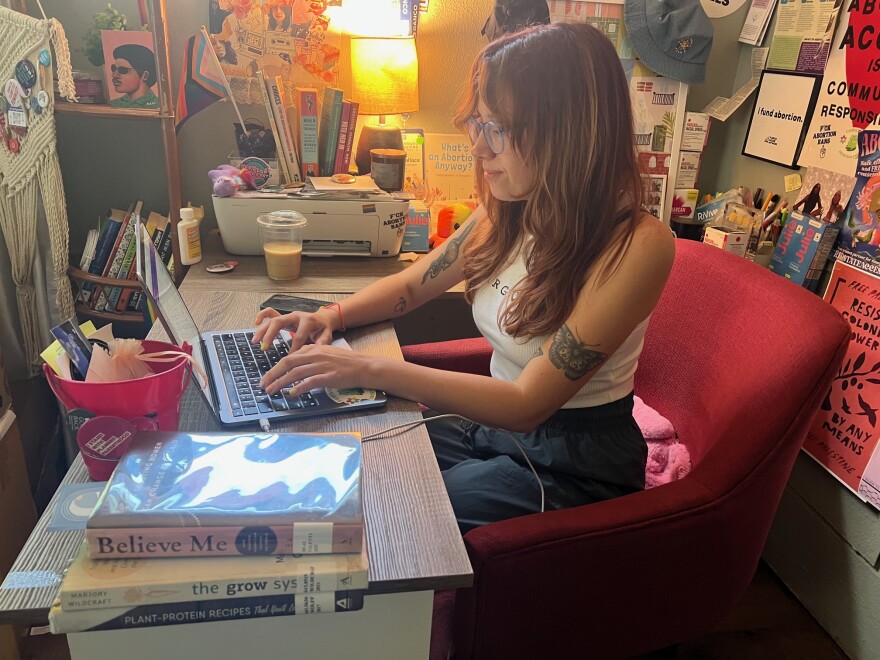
[449, 255]
[570, 354]
[400, 307]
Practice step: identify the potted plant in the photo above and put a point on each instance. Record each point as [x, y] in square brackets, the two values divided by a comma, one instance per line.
[108, 19]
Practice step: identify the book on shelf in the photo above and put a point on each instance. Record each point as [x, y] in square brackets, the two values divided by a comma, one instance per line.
[276, 131]
[153, 221]
[106, 241]
[306, 104]
[117, 258]
[126, 270]
[340, 165]
[173, 486]
[288, 135]
[163, 226]
[89, 249]
[102, 583]
[349, 139]
[328, 129]
[194, 611]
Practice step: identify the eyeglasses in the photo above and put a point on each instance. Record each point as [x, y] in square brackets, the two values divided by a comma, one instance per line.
[120, 69]
[493, 133]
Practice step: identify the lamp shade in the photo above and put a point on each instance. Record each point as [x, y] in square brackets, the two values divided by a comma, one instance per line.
[385, 75]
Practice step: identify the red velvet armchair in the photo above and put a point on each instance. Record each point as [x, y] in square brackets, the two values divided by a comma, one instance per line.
[738, 359]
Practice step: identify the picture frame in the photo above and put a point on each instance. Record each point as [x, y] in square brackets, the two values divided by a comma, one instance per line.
[654, 186]
[130, 69]
[778, 125]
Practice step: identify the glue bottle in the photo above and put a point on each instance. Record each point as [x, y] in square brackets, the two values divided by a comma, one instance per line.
[189, 238]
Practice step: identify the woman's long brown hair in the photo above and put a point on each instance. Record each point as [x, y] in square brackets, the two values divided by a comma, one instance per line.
[562, 97]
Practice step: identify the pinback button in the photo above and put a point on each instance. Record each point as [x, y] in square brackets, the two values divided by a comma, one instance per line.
[43, 98]
[14, 145]
[26, 73]
[35, 106]
[12, 91]
[45, 57]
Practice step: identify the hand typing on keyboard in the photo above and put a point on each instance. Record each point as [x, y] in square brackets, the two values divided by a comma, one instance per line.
[316, 365]
[305, 327]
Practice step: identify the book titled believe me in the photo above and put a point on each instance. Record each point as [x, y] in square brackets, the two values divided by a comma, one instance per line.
[177, 494]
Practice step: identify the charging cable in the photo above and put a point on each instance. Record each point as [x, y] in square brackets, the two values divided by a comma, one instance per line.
[402, 428]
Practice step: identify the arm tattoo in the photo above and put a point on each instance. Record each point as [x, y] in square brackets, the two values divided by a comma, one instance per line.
[449, 255]
[570, 354]
[400, 307]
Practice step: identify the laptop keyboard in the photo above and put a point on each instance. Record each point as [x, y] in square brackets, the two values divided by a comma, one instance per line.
[243, 364]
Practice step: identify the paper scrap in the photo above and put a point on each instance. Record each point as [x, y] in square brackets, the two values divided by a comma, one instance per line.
[793, 182]
[722, 107]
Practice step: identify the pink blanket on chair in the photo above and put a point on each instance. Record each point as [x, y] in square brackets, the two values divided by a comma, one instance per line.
[668, 459]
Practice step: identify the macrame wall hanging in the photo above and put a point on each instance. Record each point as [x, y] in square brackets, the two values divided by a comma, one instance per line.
[29, 49]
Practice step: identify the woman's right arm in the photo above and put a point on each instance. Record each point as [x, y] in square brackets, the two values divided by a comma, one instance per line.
[385, 299]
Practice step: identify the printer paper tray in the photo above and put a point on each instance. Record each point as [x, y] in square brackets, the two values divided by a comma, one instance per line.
[318, 248]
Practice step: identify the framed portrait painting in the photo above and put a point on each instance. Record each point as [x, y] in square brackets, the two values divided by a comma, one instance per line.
[130, 68]
[780, 117]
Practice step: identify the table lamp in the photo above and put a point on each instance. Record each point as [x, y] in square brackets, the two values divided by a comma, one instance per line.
[385, 81]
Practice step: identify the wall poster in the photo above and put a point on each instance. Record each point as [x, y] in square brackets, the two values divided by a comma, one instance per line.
[776, 128]
[290, 38]
[843, 438]
[849, 94]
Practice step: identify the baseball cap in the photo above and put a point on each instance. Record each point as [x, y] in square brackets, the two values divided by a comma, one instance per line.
[671, 37]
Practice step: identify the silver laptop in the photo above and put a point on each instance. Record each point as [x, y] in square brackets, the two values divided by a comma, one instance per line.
[233, 365]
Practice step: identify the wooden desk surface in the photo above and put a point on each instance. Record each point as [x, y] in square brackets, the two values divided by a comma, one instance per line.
[413, 540]
[320, 275]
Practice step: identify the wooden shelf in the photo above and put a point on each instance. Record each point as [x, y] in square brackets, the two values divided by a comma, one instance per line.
[80, 278]
[104, 110]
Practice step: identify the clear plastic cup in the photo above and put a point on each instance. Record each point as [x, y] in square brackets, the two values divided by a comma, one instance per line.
[281, 235]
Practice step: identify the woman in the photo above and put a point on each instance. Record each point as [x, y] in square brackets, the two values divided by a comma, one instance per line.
[811, 202]
[562, 266]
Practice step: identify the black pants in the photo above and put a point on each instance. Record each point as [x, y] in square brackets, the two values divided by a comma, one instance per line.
[581, 455]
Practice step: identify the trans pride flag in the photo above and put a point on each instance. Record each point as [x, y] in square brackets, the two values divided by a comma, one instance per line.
[201, 81]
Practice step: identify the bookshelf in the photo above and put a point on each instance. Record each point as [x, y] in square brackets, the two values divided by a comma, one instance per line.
[165, 116]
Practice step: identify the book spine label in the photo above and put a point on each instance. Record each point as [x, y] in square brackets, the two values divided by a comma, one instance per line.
[307, 113]
[326, 573]
[345, 117]
[144, 616]
[111, 543]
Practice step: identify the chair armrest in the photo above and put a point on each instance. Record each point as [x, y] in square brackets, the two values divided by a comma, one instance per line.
[465, 355]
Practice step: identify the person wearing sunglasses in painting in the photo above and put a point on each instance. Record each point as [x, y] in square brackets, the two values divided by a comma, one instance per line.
[562, 266]
[132, 74]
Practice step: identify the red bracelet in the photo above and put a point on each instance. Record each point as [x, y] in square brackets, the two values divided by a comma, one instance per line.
[339, 311]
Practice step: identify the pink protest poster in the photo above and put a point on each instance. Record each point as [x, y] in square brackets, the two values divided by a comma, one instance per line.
[130, 68]
[844, 434]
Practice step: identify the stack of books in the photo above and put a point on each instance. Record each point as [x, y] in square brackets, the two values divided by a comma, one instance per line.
[111, 254]
[210, 527]
[306, 146]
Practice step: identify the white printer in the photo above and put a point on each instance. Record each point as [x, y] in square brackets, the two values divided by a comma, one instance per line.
[356, 223]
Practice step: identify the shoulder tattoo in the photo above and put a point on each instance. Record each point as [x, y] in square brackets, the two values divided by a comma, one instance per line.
[570, 354]
[449, 255]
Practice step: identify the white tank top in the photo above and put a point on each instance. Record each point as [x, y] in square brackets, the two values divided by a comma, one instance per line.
[613, 381]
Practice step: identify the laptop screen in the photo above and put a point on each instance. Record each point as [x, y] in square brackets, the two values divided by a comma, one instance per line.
[168, 303]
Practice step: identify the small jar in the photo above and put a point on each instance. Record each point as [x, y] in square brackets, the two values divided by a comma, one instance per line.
[388, 167]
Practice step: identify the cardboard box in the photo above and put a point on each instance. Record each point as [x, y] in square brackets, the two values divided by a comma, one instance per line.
[684, 203]
[418, 224]
[696, 131]
[688, 169]
[803, 248]
[17, 513]
[731, 239]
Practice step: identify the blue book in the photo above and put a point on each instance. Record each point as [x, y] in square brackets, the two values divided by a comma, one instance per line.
[106, 241]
